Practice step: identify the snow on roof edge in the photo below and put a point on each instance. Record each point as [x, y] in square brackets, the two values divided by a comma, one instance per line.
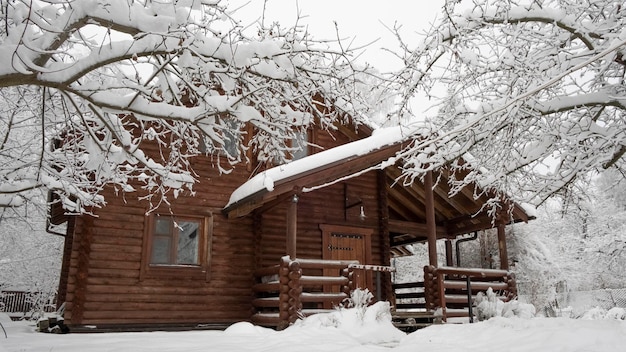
[265, 180]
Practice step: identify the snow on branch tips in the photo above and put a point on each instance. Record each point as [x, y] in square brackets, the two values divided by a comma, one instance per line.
[533, 92]
[86, 86]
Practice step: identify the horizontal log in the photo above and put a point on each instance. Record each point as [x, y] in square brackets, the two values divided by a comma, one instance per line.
[322, 297]
[368, 267]
[415, 284]
[155, 286]
[266, 302]
[325, 264]
[271, 319]
[112, 273]
[410, 306]
[163, 298]
[117, 324]
[121, 214]
[131, 260]
[117, 243]
[310, 311]
[267, 271]
[414, 314]
[323, 280]
[462, 299]
[410, 295]
[160, 315]
[114, 263]
[457, 313]
[472, 272]
[457, 299]
[207, 306]
[476, 286]
[267, 287]
[123, 226]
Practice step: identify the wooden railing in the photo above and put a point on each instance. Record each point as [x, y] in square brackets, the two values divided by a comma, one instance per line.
[298, 288]
[453, 290]
[409, 295]
[409, 311]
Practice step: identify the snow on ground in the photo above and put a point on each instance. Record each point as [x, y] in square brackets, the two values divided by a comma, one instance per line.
[352, 330]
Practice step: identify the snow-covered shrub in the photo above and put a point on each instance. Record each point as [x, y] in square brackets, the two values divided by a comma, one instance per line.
[597, 313]
[488, 305]
[367, 324]
[616, 313]
[594, 314]
[518, 309]
[359, 298]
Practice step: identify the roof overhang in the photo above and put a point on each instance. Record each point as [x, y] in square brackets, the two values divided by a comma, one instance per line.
[318, 170]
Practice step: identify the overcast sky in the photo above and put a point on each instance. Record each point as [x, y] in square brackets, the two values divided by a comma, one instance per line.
[363, 20]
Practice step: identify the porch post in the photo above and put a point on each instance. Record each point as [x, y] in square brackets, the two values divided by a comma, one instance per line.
[292, 226]
[504, 256]
[431, 226]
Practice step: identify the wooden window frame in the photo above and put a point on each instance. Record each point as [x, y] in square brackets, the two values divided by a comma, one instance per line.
[202, 270]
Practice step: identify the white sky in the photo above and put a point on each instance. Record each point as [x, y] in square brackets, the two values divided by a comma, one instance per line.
[363, 20]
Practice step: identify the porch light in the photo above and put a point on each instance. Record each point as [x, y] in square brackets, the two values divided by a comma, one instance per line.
[362, 213]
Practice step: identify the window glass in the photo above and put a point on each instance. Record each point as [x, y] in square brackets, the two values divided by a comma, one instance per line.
[230, 137]
[175, 241]
[300, 145]
[187, 251]
[162, 225]
[160, 250]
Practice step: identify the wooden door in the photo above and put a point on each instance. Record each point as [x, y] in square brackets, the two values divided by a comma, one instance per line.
[348, 243]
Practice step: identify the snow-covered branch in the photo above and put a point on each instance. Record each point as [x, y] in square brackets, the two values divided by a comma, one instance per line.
[531, 91]
[97, 81]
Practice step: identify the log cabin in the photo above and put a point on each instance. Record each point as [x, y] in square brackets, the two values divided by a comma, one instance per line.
[270, 247]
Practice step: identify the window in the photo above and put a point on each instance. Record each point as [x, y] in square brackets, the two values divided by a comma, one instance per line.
[231, 139]
[300, 145]
[175, 241]
[177, 245]
[231, 136]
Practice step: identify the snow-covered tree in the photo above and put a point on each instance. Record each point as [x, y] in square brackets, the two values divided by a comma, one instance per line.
[85, 83]
[30, 258]
[532, 90]
[575, 244]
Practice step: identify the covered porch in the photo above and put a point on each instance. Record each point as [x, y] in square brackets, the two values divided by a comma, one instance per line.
[300, 284]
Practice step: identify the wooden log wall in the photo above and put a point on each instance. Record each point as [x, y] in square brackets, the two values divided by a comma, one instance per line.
[105, 286]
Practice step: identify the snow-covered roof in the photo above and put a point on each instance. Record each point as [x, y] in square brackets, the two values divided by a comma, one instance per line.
[266, 180]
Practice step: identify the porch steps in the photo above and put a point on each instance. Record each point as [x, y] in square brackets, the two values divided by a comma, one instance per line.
[410, 321]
